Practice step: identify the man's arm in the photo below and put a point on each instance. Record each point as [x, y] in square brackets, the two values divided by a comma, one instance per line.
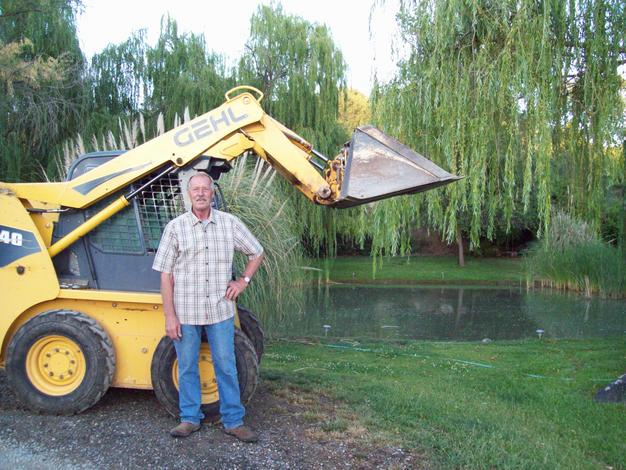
[238, 286]
[164, 261]
[172, 324]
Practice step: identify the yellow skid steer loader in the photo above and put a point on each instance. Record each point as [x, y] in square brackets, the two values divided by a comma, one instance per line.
[81, 309]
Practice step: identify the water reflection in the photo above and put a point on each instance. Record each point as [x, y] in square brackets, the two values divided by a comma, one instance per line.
[452, 313]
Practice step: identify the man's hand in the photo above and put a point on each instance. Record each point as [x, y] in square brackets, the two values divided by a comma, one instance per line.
[235, 288]
[172, 327]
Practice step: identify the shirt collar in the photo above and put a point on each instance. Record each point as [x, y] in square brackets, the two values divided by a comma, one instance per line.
[195, 221]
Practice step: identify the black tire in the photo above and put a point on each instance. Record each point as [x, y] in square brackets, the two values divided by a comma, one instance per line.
[251, 326]
[60, 362]
[166, 391]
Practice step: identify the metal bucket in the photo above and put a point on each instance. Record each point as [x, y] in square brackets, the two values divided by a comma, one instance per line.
[378, 167]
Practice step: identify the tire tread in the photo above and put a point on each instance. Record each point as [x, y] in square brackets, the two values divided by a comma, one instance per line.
[54, 317]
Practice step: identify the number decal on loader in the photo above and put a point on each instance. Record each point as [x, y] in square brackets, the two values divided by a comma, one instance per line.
[11, 238]
[15, 244]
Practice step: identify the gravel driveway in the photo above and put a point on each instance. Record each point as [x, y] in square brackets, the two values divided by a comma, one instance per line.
[128, 428]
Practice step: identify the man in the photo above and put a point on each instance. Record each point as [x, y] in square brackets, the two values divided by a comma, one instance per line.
[195, 258]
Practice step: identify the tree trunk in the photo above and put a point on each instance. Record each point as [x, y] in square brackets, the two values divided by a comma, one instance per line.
[459, 242]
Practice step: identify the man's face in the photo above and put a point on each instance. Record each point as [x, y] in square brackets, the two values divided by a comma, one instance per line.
[200, 193]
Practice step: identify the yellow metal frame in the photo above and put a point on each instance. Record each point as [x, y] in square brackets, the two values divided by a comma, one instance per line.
[226, 132]
[26, 281]
[80, 231]
[135, 323]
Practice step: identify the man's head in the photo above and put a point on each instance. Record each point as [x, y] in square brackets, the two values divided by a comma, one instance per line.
[200, 188]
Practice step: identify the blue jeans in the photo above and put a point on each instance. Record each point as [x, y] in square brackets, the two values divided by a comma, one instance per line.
[221, 338]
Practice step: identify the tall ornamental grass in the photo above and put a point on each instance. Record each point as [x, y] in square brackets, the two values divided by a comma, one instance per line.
[571, 257]
[252, 195]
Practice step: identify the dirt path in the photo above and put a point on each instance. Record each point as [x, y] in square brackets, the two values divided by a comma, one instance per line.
[128, 428]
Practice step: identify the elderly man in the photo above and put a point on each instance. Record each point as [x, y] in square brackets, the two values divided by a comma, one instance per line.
[195, 258]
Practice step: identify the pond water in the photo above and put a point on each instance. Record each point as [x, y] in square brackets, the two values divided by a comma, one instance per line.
[452, 313]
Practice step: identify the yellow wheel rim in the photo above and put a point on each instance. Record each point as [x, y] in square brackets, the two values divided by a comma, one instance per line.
[55, 365]
[208, 382]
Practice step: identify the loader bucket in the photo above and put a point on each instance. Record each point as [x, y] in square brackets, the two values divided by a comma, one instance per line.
[378, 167]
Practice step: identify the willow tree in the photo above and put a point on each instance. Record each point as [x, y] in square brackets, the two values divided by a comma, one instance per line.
[118, 86]
[178, 74]
[135, 82]
[41, 69]
[182, 72]
[521, 97]
[300, 70]
[302, 74]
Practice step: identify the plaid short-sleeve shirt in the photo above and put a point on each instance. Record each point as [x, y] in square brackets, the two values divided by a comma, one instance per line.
[200, 257]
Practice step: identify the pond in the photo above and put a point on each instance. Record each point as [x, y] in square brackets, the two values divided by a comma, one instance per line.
[452, 313]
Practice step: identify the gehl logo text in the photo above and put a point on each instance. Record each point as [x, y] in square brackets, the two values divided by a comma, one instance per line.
[205, 127]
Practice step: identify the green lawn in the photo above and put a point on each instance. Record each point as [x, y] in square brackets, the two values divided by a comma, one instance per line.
[424, 269]
[521, 404]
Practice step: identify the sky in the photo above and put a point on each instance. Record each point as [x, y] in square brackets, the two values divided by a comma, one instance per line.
[226, 25]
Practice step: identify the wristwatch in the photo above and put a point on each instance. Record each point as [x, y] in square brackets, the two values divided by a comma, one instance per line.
[246, 279]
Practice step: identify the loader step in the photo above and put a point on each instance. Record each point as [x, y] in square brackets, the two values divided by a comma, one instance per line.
[73, 283]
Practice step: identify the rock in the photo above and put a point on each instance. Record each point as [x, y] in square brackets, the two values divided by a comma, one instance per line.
[615, 392]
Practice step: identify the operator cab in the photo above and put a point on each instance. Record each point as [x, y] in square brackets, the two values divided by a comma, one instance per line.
[119, 252]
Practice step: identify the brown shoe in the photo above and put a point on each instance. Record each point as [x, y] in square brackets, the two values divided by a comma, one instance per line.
[243, 433]
[184, 429]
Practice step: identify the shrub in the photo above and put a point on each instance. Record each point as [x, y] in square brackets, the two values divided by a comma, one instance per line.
[572, 257]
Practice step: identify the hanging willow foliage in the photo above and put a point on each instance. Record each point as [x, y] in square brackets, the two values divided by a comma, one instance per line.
[41, 84]
[300, 70]
[181, 72]
[521, 97]
[302, 73]
[177, 73]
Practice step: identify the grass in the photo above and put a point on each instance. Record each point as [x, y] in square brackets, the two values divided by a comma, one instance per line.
[571, 257]
[590, 268]
[421, 269]
[521, 404]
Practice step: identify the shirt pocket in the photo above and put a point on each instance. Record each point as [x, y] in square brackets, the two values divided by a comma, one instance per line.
[219, 248]
[190, 246]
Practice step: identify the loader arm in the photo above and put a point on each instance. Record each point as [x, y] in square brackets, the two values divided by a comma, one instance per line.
[226, 132]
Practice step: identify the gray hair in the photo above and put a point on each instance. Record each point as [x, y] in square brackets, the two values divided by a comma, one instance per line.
[199, 174]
